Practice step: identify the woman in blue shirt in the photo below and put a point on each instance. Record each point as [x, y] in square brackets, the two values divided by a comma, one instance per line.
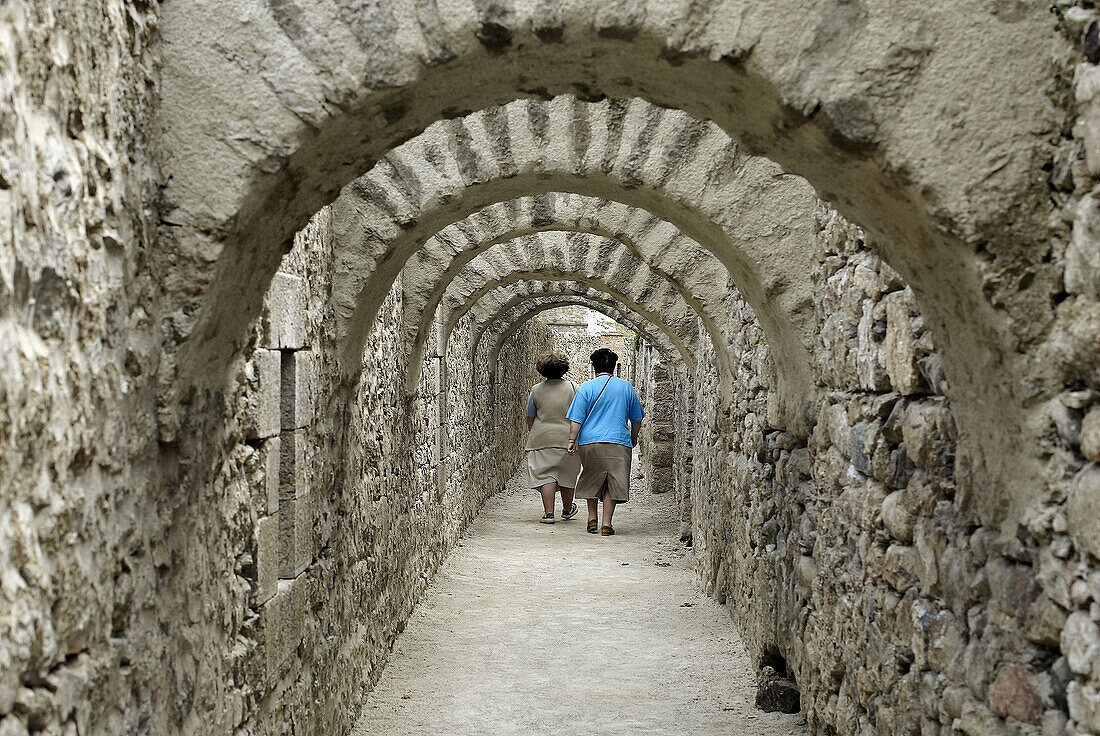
[598, 431]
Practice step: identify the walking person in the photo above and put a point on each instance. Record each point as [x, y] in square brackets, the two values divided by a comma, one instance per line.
[550, 468]
[598, 432]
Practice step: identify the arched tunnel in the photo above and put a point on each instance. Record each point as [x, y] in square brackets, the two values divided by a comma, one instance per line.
[278, 274]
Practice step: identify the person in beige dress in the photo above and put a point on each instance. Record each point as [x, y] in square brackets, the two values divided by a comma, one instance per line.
[549, 467]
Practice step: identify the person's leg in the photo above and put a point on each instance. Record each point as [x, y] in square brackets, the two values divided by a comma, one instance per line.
[566, 498]
[608, 508]
[618, 483]
[593, 509]
[549, 493]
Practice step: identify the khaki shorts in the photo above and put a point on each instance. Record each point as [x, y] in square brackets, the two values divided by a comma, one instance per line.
[604, 466]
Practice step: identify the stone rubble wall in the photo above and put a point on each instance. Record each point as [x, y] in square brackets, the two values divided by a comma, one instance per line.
[655, 443]
[82, 519]
[851, 554]
[579, 346]
[352, 543]
[249, 573]
[1063, 542]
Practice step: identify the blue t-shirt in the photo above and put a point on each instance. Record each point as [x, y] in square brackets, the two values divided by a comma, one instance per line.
[607, 420]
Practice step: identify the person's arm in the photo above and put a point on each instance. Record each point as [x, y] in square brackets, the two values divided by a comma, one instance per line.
[637, 414]
[574, 430]
[578, 409]
[532, 411]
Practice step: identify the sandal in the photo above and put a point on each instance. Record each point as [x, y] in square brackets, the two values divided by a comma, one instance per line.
[606, 531]
[593, 526]
[566, 515]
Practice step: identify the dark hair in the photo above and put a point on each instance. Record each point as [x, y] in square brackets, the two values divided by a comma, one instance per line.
[604, 360]
[552, 365]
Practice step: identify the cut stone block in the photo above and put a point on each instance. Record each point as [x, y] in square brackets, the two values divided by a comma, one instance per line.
[296, 536]
[293, 461]
[283, 619]
[1084, 509]
[264, 477]
[262, 418]
[433, 373]
[267, 558]
[295, 505]
[297, 379]
[284, 315]
[270, 454]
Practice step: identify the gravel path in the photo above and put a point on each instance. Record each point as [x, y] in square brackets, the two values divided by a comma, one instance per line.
[534, 628]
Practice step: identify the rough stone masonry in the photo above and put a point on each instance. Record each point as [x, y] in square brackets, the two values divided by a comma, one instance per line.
[266, 292]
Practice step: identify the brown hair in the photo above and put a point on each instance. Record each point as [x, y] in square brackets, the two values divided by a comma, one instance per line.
[552, 365]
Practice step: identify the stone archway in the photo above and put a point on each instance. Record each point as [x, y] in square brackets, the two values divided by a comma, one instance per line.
[608, 261]
[841, 131]
[505, 319]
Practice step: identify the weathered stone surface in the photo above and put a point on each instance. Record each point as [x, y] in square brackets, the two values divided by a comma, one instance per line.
[1084, 705]
[900, 349]
[283, 324]
[262, 419]
[1014, 694]
[1081, 644]
[1090, 435]
[900, 566]
[155, 444]
[268, 552]
[1087, 91]
[776, 694]
[896, 518]
[298, 386]
[1082, 275]
[1083, 509]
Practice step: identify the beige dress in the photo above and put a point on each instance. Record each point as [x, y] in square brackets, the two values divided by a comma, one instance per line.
[547, 459]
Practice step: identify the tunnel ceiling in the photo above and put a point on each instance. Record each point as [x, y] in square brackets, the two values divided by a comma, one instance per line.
[696, 180]
[602, 263]
[435, 135]
[503, 311]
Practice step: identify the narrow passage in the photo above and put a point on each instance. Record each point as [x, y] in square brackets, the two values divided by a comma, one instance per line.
[532, 628]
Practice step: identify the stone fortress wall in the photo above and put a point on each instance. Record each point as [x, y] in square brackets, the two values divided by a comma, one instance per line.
[579, 346]
[849, 557]
[359, 530]
[263, 591]
[237, 554]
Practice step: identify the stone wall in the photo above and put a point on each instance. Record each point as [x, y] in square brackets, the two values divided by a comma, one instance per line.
[655, 446]
[241, 557]
[851, 558]
[579, 346]
[80, 621]
[371, 495]
[567, 319]
[244, 566]
[1063, 541]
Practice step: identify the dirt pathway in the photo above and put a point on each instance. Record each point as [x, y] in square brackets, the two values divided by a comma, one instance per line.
[533, 628]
